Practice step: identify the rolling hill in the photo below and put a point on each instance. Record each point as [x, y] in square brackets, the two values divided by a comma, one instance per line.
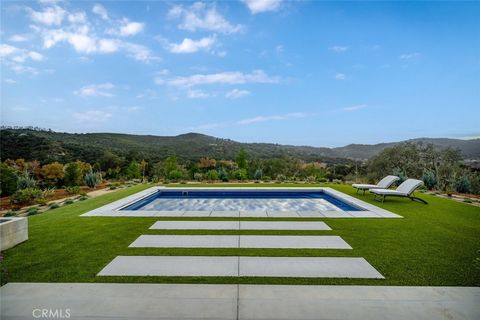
[47, 146]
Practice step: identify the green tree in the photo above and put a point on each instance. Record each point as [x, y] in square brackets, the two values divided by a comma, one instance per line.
[241, 159]
[134, 170]
[73, 174]
[8, 180]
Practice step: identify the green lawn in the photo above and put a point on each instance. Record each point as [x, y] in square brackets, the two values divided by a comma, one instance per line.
[435, 244]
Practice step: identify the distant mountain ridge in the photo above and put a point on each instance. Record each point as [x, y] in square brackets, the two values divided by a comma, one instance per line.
[57, 146]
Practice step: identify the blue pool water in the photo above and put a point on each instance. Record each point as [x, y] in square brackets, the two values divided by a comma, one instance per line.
[204, 200]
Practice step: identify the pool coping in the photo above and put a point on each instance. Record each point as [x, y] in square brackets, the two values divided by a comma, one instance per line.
[368, 210]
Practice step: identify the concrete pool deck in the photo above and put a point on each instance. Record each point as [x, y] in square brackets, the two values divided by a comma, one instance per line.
[200, 301]
[367, 210]
[232, 266]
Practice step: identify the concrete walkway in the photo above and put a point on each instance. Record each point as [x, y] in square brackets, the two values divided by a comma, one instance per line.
[191, 301]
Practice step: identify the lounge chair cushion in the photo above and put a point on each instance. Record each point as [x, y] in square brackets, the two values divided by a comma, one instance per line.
[365, 186]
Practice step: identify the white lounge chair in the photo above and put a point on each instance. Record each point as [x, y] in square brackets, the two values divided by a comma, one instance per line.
[385, 183]
[405, 189]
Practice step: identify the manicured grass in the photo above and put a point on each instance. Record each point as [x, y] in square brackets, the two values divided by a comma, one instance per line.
[435, 244]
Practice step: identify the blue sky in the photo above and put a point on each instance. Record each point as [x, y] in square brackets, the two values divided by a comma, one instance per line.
[304, 73]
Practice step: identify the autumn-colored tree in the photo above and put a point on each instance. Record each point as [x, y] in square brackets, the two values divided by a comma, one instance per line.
[53, 172]
[207, 163]
[20, 164]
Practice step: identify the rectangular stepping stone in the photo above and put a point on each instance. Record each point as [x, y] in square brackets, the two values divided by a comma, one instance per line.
[294, 242]
[172, 266]
[283, 225]
[307, 267]
[185, 241]
[210, 266]
[234, 241]
[236, 225]
[196, 225]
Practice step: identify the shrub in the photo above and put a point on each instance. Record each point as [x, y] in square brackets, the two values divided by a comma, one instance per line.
[26, 196]
[53, 205]
[322, 180]
[83, 198]
[10, 213]
[83, 194]
[266, 178]
[430, 179]
[311, 179]
[73, 190]
[32, 211]
[198, 176]
[68, 201]
[92, 179]
[175, 175]
[281, 177]
[399, 173]
[8, 180]
[222, 174]
[47, 192]
[240, 174]
[258, 175]
[134, 170]
[467, 200]
[25, 181]
[212, 175]
[463, 185]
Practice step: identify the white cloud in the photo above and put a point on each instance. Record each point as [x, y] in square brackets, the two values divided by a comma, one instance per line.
[197, 94]
[108, 45]
[100, 10]
[18, 38]
[49, 16]
[18, 55]
[77, 17]
[236, 93]
[340, 76]
[139, 52]
[409, 56]
[92, 116]
[339, 49]
[259, 6]
[355, 108]
[126, 28]
[14, 58]
[190, 46]
[294, 115]
[96, 90]
[202, 16]
[10, 81]
[234, 77]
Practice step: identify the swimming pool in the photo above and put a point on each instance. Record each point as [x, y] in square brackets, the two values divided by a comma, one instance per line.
[193, 200]
[241, 202]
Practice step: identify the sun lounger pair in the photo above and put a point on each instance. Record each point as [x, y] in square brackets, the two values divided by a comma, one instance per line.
[380, 190]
